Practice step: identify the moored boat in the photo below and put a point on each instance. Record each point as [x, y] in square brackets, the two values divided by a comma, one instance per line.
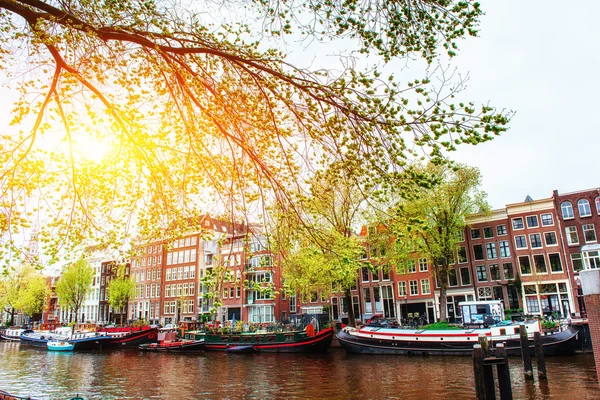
[274, 342]
[40, 339]
[382, 340]
[12, 334]
[178, 346]
[129, 337]
[55, 345]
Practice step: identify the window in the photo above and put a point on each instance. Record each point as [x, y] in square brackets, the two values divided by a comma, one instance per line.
[566, 208]
[452, 278]
[584, 208]
[462, 255]
[532, 221]
[525, 265]
[414, 288]
[572, 237]
[550, 239]
[547, 220]
[412, 266]
[517, 223]
[504, 248]
[488, 232]
[481, 273]
[591, 259]
[365, 274]
[425, 286]
[521, 242]
[501, 230]
[535, 240]
[478, 251]
[465, 276]
[540, 263]
[509, 273]
[401, 288]
[385, 272]
[555, 263]
[533, 305]
[589, 233]
[494, 272]
[576, 261]
[475, 233]
[597, 202]
[491, 250]
[423, 265]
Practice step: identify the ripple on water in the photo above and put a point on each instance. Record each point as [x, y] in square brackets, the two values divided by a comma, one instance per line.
[129, 374]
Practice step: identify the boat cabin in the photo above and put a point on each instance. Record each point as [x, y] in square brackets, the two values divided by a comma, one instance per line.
[482, 313]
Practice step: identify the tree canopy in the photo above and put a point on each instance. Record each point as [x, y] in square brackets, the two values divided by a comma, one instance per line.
[74, 284]
[23, 289]
[181, 109]
[120, 290]
[320, 249]
[430, 220]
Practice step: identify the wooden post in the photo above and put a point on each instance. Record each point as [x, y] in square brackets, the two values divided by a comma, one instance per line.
[539, 355]
[483, 341]
[503, 374]
[478, 357]
[527, 367]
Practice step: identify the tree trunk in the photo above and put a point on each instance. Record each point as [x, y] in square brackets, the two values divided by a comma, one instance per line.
[442, 275]
[12, 316]
[122, 316]
[351, 316]
[443, 302]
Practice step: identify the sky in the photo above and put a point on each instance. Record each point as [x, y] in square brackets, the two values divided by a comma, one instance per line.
[540, 59]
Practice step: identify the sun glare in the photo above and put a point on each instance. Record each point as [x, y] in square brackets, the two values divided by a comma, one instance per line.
[91, 149]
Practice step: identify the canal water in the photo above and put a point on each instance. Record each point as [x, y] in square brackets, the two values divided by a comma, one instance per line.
[130, 374]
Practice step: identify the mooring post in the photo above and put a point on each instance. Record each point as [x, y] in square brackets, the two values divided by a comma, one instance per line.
[503, 374]
[527, 367]
[478, 357]
[483, 341]
[539, 355]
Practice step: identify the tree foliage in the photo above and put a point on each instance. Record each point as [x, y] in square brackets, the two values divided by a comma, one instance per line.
[74, 284]
[196, 110]
[22, 289]
[120, 290]
[430, 220]
[320, 249]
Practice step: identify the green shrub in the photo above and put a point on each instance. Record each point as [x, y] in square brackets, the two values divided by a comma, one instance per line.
[441, 326]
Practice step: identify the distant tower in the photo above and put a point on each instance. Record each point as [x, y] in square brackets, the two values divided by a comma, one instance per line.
[33, 246]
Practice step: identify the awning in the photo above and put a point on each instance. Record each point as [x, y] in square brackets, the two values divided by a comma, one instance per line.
[591, 247]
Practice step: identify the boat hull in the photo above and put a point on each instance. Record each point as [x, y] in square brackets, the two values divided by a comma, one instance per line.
[60, 346]
[318, 343]
[561, 343]
[132, 339]
[175, 347]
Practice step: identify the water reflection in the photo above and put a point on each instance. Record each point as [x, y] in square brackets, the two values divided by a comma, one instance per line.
[131, 374]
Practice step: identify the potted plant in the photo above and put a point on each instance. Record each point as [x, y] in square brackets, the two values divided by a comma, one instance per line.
[549, 326]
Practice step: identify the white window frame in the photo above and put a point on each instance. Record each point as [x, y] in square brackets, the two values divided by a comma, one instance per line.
[587, 210]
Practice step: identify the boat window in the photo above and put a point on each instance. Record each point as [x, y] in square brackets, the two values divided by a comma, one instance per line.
[258, 339]
[235, 338]
[517, 330]
[271, 338]
[289, 337]
[247, 339]
[224, 338]
[502, 331]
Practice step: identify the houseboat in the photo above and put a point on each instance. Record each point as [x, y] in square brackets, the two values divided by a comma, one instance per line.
[168, 342]
[382, 340]
[274, 342]
[129, 336]
[11, 334]
[79, 340]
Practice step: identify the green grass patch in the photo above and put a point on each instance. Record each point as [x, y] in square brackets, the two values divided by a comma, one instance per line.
[441, 326]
